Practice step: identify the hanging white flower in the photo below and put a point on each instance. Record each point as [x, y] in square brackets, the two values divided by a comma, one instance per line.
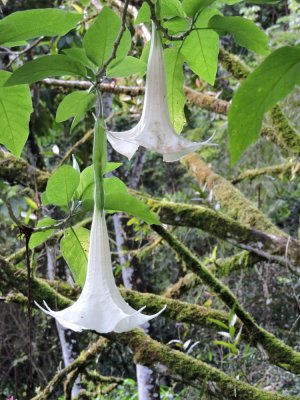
[154, 131]
[100, 306]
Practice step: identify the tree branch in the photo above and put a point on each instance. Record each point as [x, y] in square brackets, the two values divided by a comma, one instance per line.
[279, 353]
[279, 169]
[172, 362]
[77, 365]
[234, 204]
[279, 249]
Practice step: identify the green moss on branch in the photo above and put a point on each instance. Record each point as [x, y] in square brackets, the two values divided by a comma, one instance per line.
[285, 136]
[234, 204]
[279, 353]
[266, 246]
[171, 362]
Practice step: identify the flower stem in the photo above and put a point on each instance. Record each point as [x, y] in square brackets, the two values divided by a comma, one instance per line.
[99, 155]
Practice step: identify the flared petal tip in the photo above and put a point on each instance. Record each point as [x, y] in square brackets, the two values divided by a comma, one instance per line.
[187, 147]
[171, 157]
[122, 144]
[135, 320]
[61, 321]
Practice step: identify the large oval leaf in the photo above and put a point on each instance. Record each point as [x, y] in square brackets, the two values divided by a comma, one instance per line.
[38, 238]
[201, 48]
[15, 110]
[117, 197]
[23, 25]
[44, 67]
[263, 88]
[175, 79]
[74, 105]
[74, 248]
[100, 37]
[244, 31]
[128, 66]
[62, 185]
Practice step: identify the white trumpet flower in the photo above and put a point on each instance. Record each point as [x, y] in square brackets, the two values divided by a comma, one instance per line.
[100, 306]
[154, 131]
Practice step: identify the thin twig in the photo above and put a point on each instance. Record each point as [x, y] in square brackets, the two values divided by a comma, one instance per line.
[29, 313]
[26, 50]
[117, 41]
[28, 230]
[88, 135]
[81, 362]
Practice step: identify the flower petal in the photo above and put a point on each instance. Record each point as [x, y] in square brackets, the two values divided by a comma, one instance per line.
[154, 131]
[100, 306]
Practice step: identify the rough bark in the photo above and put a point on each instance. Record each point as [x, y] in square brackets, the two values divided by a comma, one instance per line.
[233, 202]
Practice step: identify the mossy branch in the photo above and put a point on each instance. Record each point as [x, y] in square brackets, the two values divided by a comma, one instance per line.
[172, 362]
[197, 98]
[233, 202]
[12, 277]
[184, 284]
[18, 171]
[279, 169]
[280, 249]
[285, 135]
[77, 365]
[279, 353]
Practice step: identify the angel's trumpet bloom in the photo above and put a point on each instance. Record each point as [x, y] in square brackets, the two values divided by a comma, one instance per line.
[100, 306]
[154, 131]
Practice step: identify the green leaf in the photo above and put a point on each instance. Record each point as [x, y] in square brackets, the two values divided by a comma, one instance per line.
[74, 248]
[263, 1]
[117, 197]
[87, 178]
[263, 88]
[171, 8]
[191, 7]
[218, 323]
[175, 79]
[44, 67]
[15, 44]
[79, 55]
[62, 185]
[200, 50]
[231, 2]
[144, 14]
[23, 25]
[176, 25]
[100, 37]
[15, 110]
[123, 48]
[244, 31]
[229, 346]
[40, 237]
[128, 66]
[75, 105]
[146, 52]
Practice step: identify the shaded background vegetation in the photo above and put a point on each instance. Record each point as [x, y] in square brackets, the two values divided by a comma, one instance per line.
[269, 292]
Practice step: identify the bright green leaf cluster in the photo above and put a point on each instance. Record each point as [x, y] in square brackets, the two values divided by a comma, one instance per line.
[269, 83]
[24, 25]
